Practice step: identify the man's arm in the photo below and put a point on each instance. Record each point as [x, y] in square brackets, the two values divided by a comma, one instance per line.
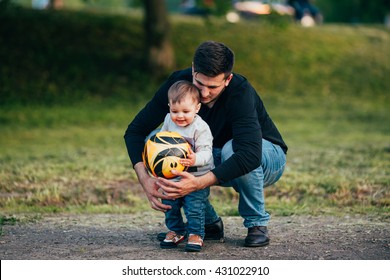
[187, 184]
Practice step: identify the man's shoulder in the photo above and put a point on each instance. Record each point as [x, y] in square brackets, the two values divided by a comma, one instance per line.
[240, 88]
[240, 91]
[239, 79]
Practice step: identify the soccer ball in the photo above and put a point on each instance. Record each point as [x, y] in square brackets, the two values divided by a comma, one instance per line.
[162, 153]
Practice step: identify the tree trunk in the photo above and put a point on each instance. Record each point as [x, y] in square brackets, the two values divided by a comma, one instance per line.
[56, 4]
[159, 51]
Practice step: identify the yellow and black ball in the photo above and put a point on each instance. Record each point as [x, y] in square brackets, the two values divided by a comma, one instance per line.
[162, 153]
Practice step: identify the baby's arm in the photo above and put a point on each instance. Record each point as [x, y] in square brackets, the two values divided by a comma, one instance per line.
[203, 149]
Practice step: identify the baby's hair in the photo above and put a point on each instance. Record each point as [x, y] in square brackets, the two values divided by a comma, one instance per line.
[181, 89]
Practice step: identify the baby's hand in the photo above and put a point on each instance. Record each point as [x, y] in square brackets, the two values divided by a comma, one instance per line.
[190, 160]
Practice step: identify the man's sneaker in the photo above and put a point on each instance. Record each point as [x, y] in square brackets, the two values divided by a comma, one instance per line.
[214, 231]
[171, 240]
[257, 237]
[194, 243]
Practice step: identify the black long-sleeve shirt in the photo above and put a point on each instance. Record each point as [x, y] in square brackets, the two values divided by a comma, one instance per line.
[238, 114]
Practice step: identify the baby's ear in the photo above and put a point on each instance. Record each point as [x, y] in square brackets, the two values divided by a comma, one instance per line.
[198, 107]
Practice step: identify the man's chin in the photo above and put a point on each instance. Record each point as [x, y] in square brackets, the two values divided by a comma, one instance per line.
[209, 103]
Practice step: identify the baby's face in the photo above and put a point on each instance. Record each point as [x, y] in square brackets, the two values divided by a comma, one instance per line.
[183, 112]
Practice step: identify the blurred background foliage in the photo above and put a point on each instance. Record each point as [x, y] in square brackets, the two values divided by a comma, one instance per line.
[340, 11]
[57, 57]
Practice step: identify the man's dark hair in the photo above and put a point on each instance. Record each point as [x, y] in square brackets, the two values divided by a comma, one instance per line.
[213, 58]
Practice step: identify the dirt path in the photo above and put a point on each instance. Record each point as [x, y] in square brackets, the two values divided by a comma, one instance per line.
[113, 237]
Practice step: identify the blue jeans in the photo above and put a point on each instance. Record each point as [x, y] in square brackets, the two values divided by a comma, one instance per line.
[251, 186]
[194, 205]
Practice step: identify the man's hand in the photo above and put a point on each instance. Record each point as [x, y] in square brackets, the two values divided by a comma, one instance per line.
[151, 188]
[187, 184]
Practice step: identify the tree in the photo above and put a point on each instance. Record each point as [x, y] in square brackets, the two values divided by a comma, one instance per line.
[158, 47]
[159, 52]
[56, 4]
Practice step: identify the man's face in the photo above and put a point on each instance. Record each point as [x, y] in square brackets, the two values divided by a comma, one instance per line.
[210, 87]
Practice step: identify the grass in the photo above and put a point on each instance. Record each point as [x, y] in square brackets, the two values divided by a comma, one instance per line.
[65, 104]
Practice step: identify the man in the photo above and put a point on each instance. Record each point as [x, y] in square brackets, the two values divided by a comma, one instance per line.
[249, 152]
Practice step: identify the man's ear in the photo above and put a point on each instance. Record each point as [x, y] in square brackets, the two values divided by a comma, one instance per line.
[228, 79]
